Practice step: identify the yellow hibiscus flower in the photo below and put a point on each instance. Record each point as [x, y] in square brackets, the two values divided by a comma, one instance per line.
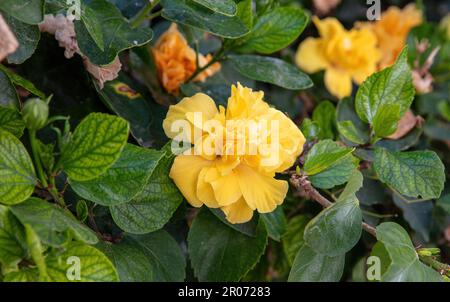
[345, 55]
[176, 61]
[445, 25]
[234, 153]
[392, 31]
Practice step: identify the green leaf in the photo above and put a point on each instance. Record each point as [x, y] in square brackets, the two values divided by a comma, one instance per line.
[405, 265]
[8, 95]
[436, 129]
[46, 155]
[355, 182]
[328, 164]
[17, 178]
[372, 192]
[403, 143]
[94, 265]
[11, 239]
[155, 257]
[324, 115]
[28, 37]
[380, 251]
[192, 14]
[144, 68]
[123, 181]
[54, 225]
[92, 25]
[249, 228]
[275, 223]
[392, 85]
[28, 11]
[310, 266]
[359, 270]
[323, 155]
[419, 215]
[348, 130]
[336, 229]
[11, 120]
[413, 174]
[349, 125]
[444, 203]
[219, 253]
[82, 210]
[444, 109]
[293, 238]
[224, 7]
[36, 251]
[151, 209]
[24, 275]
[145, 116]
[245, 12]
[386, 120]
[275, 30]
[337, 174]
[129, 8]
[310, 129]
[118, 35]
[271, 70]
[22, 82]
[95, 146]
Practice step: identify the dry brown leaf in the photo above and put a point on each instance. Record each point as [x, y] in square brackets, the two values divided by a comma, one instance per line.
[103, 73]
[405, 125]
[447, 234]
[8, 42]
[64, 31]
[323, 7]
[422, 83]
[422, 78]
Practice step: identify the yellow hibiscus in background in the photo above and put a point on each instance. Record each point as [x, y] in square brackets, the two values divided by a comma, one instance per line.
[176, 61]
[392, 31]
[345, 55]
[445, 26]
[237, 183]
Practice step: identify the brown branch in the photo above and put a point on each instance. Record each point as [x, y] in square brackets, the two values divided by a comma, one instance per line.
[301, 183]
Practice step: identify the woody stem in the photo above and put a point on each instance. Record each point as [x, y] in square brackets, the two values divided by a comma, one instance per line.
[302, 183]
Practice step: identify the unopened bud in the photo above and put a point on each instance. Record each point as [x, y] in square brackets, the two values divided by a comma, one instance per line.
[35, 114]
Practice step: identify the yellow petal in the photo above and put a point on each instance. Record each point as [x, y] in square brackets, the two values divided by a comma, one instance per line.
[260, 191]
[205, 192]
[184, 110]
[244, 103]
[238, 212]
[226, 187]
[309, 56]
[185, 172]
[287, 136]
[328, 27]
[338, 83]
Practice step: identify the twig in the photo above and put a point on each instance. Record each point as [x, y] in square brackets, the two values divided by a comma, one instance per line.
[143, 13]
[217, 57]
[302, 183]
[442, 268]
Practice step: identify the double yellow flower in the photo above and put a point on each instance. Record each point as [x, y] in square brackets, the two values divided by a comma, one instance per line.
[236, 182]
[352, 55]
